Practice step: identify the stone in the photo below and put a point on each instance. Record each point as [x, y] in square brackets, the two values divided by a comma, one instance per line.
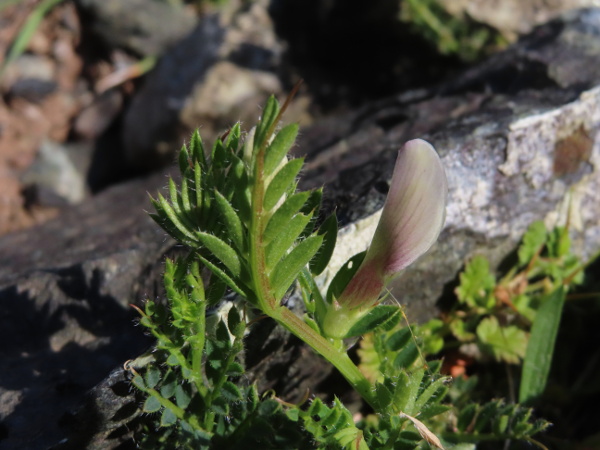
[513, 17]
[144, 27]
[211, 86]
[65, 289]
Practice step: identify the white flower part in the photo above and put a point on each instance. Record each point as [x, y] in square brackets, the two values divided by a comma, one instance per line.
[411, 221]
[415, 208]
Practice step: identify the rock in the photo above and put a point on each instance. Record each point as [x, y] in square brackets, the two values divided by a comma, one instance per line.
[218, 75]
[96, 117]
[515, 134]
[55, 176]
[144, 27]
[151, 121]
[513, 17]
[65, 289]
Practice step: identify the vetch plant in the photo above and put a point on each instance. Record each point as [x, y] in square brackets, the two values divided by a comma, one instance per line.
[253, 237]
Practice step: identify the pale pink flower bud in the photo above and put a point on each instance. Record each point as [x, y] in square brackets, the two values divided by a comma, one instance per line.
[411, 221]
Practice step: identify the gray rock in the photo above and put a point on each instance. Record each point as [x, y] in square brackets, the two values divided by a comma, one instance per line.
[515, 135]
[144, 27]
[65, 289]
[216, 76]
[58, 173]
[513, 17]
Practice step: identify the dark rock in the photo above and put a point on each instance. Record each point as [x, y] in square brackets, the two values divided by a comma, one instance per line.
[65, 290]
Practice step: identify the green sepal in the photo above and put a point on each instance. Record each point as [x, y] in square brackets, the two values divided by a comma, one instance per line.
[329, 231]
[282, 243]
[279, 147]
[284, 273]
[280, 219]
[375, 318]
[283, 182]
[343, 276]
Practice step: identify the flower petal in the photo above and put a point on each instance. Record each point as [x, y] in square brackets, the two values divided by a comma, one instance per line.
[414, 211]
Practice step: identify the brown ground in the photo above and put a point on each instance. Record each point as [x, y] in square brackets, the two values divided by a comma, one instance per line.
[63, 107]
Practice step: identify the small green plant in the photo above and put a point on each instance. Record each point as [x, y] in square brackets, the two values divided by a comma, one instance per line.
[253, 240]
[460, 36]
[515, 319]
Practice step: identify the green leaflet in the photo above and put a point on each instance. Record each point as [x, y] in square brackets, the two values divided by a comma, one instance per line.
[280, 219]
[328, 230]
[279, 148]
[477, 284]
[282, 182]
[538, 356]
[375, 318]
[183, 160]
[267, 120]
[284, 273]
[233, 224]
[222, 252]
[167, 418]
[286, 238]
[533, 240]
[233, 136]
[196, 149]
[312, 205]
[152, 404]
[164, 209]
[505, 343]
[223, 276]
[179, 207]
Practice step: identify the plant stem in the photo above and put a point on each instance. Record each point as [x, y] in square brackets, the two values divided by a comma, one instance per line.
[318, 343]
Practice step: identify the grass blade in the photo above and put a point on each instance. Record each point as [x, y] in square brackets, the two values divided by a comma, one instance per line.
[538, 357]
